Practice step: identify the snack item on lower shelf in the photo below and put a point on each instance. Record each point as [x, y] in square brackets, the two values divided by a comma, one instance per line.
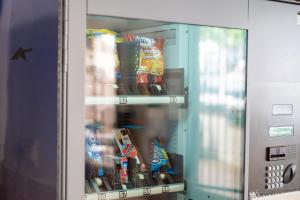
[124, 170]
[160, 158]
[128, 148]
[93, 152]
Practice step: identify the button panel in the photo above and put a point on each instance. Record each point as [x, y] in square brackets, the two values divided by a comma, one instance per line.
[274, 177]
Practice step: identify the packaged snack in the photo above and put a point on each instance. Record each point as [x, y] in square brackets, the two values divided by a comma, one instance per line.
[160, 158]
[124, 170]
[102, 55]
[151, 60]
[128, 148]
[92, 33]
[147, 62]
[92, 151]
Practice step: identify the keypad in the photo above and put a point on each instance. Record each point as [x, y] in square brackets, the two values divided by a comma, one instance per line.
[274, 177]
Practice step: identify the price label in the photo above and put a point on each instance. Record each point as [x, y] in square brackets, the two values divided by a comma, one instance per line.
[123, 100]
[102, 196]
[173, 99]
[165, 189]
[146, 191]
[123, 194]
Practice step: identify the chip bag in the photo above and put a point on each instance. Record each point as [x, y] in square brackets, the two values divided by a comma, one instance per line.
[151, 60]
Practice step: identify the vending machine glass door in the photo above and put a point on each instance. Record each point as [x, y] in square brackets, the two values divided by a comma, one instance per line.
[164, 110]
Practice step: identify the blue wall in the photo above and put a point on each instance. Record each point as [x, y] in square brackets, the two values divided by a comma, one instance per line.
[28, 100]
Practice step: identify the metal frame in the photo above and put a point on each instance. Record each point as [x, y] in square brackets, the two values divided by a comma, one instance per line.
[204, 12]
[75, 24]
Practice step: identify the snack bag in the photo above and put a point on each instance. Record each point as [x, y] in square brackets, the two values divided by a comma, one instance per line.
[103, 52]
[151, 60]
[160, 158]
[125, 145]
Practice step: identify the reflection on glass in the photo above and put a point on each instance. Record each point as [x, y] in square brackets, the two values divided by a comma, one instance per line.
[137, 113]
[219, 122]
[101, 62]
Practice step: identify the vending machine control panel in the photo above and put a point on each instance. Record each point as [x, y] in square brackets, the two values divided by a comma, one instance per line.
[279, 174]
[273, 104]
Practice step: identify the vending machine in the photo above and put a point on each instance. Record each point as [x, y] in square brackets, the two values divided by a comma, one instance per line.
[155, 103]
[149, 100]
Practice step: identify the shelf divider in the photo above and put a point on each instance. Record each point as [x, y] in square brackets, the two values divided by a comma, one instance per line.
[135, 100]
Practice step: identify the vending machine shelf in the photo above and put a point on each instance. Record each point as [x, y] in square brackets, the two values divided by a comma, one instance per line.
[135, 100]
[137, 192]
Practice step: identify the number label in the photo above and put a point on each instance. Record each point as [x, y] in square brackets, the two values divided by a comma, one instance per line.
[147, 191]
[173, 100]
[102, 196]
[122, 194]
[165, 189]
[123, 100]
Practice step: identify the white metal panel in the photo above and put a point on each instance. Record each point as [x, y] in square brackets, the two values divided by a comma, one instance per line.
[75, 44]
[273, 42]
[224, 13]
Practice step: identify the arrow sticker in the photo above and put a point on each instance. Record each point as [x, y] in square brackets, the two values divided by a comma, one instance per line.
[21, 54]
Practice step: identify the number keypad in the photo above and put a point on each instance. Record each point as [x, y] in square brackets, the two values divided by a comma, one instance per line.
[274, 177]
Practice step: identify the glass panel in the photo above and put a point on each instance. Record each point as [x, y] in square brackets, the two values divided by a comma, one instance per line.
[217, 113]
[149, 87]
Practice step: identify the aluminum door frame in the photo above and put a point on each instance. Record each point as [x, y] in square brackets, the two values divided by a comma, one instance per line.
[74, 62]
